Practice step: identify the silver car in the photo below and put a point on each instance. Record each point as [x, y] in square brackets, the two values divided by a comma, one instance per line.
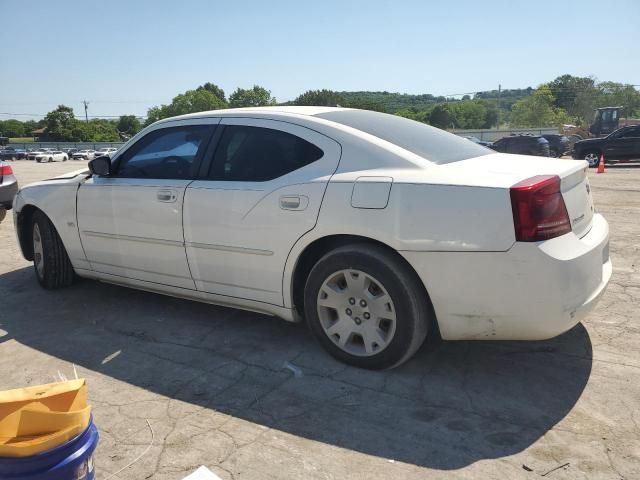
[8, 188]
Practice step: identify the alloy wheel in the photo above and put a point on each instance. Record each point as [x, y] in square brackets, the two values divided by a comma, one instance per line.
[356, 312]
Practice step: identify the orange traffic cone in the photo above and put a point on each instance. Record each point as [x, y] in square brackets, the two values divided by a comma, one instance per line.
[601, 164]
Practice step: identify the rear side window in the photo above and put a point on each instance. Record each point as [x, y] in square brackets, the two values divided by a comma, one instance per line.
[168, 153]
[255, 154]
[433, 144]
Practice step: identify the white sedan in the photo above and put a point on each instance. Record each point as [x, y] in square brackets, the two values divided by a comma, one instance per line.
[84, 155]
[51, 156]
[108, 151]
[376, 229]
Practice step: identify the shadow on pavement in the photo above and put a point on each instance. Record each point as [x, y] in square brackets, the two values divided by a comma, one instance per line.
[452, 405]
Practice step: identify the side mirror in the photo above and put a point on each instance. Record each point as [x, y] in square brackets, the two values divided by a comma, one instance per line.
[100, 166]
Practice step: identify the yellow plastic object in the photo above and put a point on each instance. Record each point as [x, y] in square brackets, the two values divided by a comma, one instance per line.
[36, 419]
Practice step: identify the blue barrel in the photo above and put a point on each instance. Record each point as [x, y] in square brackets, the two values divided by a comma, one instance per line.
[70, 461]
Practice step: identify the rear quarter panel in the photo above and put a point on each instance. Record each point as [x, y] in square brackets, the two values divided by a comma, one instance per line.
[418, 217]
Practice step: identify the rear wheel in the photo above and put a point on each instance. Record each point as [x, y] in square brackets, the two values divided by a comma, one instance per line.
[593, 158]
[553, 153]
[50, 159]
[366, 306]
[50, 259]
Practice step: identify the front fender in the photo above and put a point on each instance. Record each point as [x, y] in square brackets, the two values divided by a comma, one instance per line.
[57, 200]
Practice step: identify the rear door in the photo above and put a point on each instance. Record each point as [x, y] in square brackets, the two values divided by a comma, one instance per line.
[261, 193]
[131, 221]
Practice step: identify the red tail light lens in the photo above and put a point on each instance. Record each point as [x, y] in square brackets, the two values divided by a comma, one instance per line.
[5, 170]
[539, 211]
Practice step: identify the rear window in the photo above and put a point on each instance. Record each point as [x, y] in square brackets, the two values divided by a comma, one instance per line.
[437, 146]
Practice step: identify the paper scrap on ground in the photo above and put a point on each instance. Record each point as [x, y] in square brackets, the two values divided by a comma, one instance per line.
[203, 473]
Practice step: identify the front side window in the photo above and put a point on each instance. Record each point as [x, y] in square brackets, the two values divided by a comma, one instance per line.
[168, 153]
[631, 133]
[256, 154]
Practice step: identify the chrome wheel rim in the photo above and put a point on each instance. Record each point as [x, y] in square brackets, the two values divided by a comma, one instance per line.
[592, 158]
[356, 312]
[38, 257]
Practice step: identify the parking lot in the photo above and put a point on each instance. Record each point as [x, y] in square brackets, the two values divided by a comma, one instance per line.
[254, 397]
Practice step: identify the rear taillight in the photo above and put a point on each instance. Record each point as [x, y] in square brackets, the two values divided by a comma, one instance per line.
[5, 170]
[539, 212]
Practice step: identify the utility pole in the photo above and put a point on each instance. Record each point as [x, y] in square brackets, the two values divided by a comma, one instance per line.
[498, 119]
[86, 107]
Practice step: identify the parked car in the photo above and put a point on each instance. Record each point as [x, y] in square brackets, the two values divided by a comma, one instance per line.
[11, 153]
[70, 152]
[377, 229]
[484, 143]
[108, 151]
[32, 154]
[52, 156]
[623, 144]
[8, 188]
[522, 145]
[559, 145]
[84, 155]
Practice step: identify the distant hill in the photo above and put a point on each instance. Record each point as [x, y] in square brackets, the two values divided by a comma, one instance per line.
[392, 102]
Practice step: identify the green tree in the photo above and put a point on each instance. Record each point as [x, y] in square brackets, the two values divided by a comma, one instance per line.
[191, 101]
[413, 113]
[440, 116]
[612, 94]
[253, 97]
[215, 89]
[575, 95]
[59, 123]
[12, 128]
[129, 124]
[320, 98]
[101, 130]
[538, 110]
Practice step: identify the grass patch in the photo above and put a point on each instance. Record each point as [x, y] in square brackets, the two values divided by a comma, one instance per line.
[21, 140]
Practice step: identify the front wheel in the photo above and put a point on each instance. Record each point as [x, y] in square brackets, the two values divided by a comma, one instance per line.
[593, 158]
[50, 259]
[50, 159]
[366, 306]
[64, 159]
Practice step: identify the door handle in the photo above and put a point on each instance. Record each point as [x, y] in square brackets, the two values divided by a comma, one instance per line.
[168, 196]
[294, 202]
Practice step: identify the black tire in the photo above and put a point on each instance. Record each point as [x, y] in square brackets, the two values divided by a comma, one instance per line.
[57, 270]
[412, 305]
[64, 159]
[38, 161]
[586, 155]
[553, 153]
[50, 159]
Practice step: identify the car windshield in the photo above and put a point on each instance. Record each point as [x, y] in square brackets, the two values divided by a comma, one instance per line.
[433, 144]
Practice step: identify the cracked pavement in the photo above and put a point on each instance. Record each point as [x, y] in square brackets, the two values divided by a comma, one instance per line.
[213, 382]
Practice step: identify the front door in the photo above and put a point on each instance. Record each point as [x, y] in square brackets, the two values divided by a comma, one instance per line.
[261, 194]
[625, 146]
[131, 221]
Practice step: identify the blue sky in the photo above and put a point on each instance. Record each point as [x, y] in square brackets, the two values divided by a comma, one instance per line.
[125, 56]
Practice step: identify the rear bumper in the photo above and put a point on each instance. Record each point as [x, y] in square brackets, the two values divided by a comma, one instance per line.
[8, 190]
[534, 291]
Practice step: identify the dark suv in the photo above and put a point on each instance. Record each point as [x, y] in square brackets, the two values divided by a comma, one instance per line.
[623, 144]
[522, 145]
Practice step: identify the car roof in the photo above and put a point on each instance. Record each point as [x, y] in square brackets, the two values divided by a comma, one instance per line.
[285, 109]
